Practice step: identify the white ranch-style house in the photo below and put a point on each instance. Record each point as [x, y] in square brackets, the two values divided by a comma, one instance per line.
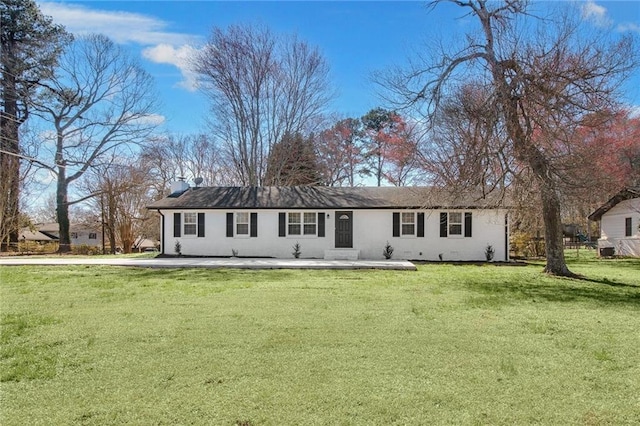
[619, 224]
[331, 223]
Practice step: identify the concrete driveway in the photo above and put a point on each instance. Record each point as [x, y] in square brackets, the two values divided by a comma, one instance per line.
[234, 263]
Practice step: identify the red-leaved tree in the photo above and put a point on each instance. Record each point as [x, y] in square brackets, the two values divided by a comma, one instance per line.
[339, 151]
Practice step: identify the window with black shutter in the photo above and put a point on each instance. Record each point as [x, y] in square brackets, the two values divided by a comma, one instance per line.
[420, 224]
[454, 224]
[467, 224]
[177, 224]
[321, 224]
[254, 225]
[282, 224]
[188, 224]
[396, 224]
[408, 224]
[229, 225]
[200, 225]
[242, 224]
[443, 225]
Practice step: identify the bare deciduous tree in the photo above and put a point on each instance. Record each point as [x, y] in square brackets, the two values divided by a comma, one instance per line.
[543, 79]
[261, 87]
[125, 190]
[99, 102]
[188, 157]
[467, 148]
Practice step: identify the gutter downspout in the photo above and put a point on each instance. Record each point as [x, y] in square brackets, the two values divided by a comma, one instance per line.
[161, 232]
[506, 237]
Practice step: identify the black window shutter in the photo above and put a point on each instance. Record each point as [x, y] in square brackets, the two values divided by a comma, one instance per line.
[321, 224]
[176, 224]
[396, 224]
[443, 225]
[467, 224]
[254, 225]
[420, 224]
[282, 224]
[230, 225]
[628, 231]
[200, 224]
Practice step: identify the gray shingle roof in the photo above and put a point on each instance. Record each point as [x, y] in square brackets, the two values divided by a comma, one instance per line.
[625, 194]
[320, 197]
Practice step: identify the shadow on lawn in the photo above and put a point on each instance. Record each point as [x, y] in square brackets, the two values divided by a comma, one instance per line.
[211, 275]
[564, 290]
[607, 281]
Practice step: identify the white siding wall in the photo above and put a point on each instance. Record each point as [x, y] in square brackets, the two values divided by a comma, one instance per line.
[371, 231]
[83, 238]
[613, 228]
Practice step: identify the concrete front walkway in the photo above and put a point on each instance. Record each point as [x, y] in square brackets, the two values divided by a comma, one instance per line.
[238, 263]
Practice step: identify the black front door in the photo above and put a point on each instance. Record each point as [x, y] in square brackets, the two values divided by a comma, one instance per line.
[344, 229]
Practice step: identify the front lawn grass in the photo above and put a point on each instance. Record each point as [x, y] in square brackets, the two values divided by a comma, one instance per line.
[449, 344]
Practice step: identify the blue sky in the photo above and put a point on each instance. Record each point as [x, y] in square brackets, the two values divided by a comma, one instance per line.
[355, 37]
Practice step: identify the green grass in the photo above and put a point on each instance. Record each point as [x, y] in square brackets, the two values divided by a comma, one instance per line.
[449, 344]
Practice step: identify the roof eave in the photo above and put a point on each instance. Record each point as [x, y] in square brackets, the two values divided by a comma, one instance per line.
[625, 194]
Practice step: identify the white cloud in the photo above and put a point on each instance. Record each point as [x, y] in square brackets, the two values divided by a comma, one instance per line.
[634, 111]
[152, 119]
[179, 57]
[126, 27]
[122, 27]
[628, 26]
[596, 13]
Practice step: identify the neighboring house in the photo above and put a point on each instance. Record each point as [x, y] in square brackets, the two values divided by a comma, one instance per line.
[144, 244]
[620, 224]
[80, 234]
[27, 234]
[331, 223]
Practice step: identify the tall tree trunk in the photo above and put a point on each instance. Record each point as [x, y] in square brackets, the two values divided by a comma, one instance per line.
[550, 201]
[10, 162]
[126, 235]
[529, 154]
[553, 238]
[62, 211]
[111, 229]
[379, 166]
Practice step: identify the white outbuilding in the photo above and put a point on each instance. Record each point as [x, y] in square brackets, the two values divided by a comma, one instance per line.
[619, 224]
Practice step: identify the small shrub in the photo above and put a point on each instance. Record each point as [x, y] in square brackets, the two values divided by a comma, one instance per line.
[85, 249]
[523, 244]
[489, 252]
[388, 251]
[440, 257]
[178, 248]
[296, 250]
[234, 253]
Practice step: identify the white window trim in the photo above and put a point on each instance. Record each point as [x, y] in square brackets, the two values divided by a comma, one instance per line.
[414, 223]
[450, 222]
[184, 225]
[302, 224]
[236, 223]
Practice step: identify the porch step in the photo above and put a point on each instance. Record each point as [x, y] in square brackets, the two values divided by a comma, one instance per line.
[341, 254]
